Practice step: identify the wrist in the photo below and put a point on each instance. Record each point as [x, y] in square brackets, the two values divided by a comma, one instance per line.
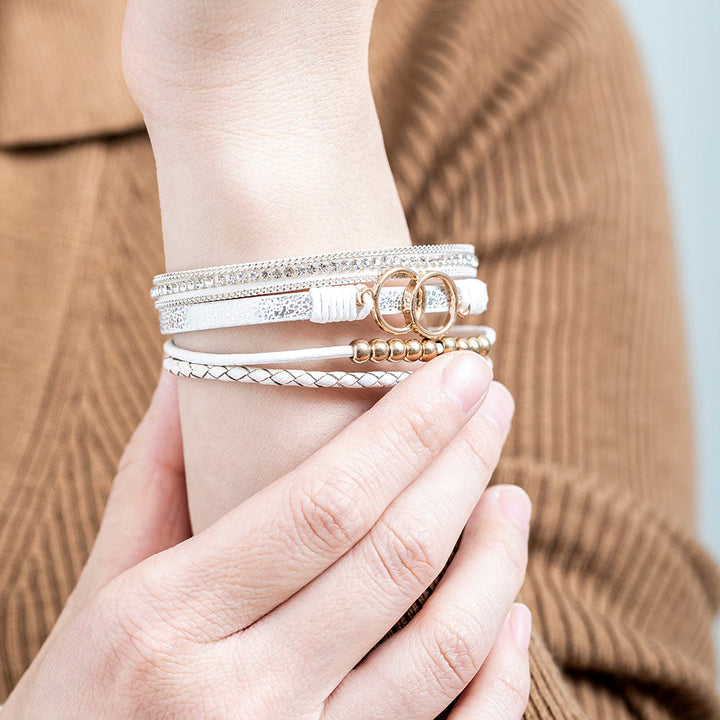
[300, 186]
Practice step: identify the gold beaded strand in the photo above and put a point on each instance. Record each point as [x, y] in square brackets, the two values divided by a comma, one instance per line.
[397, 350]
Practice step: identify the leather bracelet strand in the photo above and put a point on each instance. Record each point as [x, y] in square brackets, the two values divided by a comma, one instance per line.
[343, 303]
[480, 339]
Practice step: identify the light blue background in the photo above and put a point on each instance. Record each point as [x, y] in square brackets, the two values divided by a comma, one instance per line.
[680, 43]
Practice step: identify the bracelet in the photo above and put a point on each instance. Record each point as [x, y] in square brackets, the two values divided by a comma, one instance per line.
[359, 351]
[414, 283]
[301, 273]
[286, 377]
[342, 303]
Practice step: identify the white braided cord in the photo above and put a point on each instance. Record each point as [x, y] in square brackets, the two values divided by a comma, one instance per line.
[286, 376]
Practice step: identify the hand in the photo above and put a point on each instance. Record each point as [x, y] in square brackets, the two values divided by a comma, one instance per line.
[275, 609]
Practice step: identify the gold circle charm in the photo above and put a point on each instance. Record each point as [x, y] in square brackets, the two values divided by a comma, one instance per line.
[412, 303]
[392, 274]
[416, 293]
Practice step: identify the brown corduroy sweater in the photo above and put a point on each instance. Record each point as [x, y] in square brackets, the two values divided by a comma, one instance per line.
[522, 126]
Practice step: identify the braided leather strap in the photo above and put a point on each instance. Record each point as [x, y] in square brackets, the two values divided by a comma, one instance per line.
[286, 377]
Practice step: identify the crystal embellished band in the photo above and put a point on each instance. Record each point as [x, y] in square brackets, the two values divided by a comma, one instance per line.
[319, 305]
[301, 273]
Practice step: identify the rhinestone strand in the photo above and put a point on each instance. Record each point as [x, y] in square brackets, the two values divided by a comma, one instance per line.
[302, 272]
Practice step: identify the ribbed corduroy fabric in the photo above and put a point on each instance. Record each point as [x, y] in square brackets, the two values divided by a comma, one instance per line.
[522, 126]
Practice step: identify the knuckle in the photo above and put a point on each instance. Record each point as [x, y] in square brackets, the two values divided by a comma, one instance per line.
[415, 435]
[513, 685]
[407, 552]
[482, 445]
[509, 548]
[327, 515]
[453, 645]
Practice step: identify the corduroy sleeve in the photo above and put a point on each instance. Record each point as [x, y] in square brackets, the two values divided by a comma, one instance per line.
[524, 126]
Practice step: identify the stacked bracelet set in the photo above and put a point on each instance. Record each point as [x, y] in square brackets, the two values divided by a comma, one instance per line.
[334, 287]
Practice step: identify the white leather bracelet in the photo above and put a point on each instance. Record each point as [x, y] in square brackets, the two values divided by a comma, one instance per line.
[287, 377]
[300, 273]
[319, 305]
[281, 357]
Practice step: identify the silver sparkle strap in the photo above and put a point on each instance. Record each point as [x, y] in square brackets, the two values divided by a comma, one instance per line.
[319, 305]
[301, 273]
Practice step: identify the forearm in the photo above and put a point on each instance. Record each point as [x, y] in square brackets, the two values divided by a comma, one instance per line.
[297, 170]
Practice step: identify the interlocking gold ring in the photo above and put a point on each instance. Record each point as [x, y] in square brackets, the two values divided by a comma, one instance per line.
[377, 312]
[417, 304]
[413, 302]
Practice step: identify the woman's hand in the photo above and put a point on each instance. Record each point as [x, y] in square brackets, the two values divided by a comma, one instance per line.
[275, 609]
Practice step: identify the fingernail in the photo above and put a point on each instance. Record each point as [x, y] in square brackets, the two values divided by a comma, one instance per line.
[516, 505]
[521, 625]
[466, 379]
[499, 407]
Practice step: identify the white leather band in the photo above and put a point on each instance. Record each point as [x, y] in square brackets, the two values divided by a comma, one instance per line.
[281, 357]
[288, 377]
[319, 305]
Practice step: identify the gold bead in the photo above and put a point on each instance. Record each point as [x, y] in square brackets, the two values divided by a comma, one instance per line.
[379, 350]
[450, 344]
[485, 344]
[462, 344]
[398, 350]
[429, 349]
[361, 351]
[473, 344]
[414, 350]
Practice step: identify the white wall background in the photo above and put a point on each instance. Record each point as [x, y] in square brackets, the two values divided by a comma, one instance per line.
[680, 44]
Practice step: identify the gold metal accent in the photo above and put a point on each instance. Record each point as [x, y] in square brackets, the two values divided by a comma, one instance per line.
[391, 274]
[417, 302]
[485, 344]
[361, 351]
[380, 350]
[398, 350]
[463, 311]
[414, 350]
[412, 303]
[429, 349]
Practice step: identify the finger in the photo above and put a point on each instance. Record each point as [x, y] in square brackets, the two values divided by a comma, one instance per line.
[334, 621]
[282, 537]
[146, 511]
[418, 671]
[501, 688]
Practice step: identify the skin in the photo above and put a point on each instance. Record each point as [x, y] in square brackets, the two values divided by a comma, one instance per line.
[309, 539]
[269, 612]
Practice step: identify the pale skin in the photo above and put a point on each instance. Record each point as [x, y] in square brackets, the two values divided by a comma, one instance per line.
[251, 574]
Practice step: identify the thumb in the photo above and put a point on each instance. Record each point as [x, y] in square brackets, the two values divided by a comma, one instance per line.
[147, 510]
